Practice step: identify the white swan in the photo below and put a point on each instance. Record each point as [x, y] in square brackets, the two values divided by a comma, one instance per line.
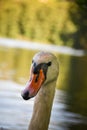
[43, 77]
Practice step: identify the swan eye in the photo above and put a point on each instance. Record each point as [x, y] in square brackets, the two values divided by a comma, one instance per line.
[49, 63]
[34, 64]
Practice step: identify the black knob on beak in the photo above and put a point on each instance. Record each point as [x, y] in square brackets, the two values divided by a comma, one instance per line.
[25, 95]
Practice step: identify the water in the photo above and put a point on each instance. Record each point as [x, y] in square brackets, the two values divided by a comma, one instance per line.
[69, 110]
[15, 113]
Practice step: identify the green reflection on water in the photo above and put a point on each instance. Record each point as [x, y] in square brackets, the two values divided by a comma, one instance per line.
[73, 79]
[77, 86]
[15, 64]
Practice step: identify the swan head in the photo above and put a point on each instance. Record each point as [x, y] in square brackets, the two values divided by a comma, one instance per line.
[44, 69]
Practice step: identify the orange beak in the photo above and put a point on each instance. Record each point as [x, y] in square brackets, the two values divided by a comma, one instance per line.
[33, 85]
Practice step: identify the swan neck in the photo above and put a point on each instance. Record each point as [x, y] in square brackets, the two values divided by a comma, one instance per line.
[42, 107]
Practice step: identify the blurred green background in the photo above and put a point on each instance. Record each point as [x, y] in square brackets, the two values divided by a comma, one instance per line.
[58, 22]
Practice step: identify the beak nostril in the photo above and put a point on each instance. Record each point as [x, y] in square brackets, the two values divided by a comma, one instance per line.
[25, 95]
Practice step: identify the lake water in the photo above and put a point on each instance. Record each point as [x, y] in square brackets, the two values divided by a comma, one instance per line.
[69, 110]
[15, 113]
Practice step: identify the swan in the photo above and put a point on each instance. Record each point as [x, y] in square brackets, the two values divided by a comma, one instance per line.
[43, 76]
